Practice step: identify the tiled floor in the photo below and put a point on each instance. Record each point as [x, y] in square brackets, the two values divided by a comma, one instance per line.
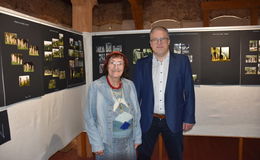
[69, 155]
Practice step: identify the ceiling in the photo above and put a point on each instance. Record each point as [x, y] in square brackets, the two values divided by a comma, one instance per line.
[99, 1]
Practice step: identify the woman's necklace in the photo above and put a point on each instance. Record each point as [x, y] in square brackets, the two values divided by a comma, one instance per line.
[119, 86]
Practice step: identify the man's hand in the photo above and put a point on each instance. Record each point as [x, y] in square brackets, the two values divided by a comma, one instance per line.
[187, 126]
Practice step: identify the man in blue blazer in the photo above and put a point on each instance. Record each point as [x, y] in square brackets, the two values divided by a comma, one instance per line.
[165, 92]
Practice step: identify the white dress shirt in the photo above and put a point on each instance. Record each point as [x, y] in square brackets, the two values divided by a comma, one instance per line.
[160, 74]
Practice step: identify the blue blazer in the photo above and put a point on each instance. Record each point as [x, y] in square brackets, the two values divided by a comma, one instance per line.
[179, 92]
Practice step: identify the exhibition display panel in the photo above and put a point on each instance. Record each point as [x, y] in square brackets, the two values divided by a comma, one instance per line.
[4, 127]
[38, 59]
[250, 57]
[189, 44]
[218, 55]
[21, 52]
[42, 77]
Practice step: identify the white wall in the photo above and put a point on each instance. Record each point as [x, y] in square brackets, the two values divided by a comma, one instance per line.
[41, 126]
[232, 111]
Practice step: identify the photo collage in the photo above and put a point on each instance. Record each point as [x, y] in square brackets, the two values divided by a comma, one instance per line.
[252, 59]
[17, 57]
[103, 51]
[35, 59]
[76, 60]
[53, 57]
[184, 48]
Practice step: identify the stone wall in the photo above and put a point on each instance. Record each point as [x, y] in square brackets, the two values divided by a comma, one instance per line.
[118, 16]
[55, 11]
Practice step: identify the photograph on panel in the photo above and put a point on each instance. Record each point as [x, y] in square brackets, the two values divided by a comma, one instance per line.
[80, 45]
[55, 43]
[251, 58]
[61, 51]
[194, 77]
[61, 39]
[10, 38]
[47, 71]
[220, 54]
[52, 84]
[71, 43]
[22, 44]
[47, 45]
[183, 48]
[253, 45]
[33, 50]
[250, 70]
[16, 59]
[101, 58]
[24, 80]
[28, 67]
[258, 70]
[62, 74]
[48, 55]
[56, 72]
[139, 53]
[55, 53]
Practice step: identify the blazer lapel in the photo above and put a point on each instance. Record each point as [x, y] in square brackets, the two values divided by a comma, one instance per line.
[171, 71]
[149, 78]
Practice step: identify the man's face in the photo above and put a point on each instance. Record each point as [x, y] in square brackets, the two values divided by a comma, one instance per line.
[159, 41]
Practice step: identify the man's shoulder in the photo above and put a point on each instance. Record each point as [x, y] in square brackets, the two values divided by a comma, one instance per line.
[146, 59]
[179, 56]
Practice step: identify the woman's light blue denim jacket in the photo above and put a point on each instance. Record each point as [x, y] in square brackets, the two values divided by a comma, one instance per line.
[99, 109]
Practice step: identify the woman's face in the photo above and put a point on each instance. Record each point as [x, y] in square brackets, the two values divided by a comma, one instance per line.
[115, 67]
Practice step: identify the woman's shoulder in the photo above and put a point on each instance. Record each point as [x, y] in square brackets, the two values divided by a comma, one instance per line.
[127, 82]
[99, 82]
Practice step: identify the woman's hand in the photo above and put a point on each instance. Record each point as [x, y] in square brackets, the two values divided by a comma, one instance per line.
[136, 145]
[100, 153]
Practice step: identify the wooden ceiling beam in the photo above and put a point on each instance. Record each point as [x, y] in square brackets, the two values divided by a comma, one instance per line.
[137, 13]
[252, 5]
[232, 4]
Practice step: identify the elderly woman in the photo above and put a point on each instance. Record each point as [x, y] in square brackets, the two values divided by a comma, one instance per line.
[112, 113]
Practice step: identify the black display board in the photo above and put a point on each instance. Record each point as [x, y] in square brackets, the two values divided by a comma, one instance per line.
[4, 127]
[217, 57]
[103, 45]
[75, 60]
[189, 45]
[22, 58]
[137, 46]
[220, 57]
[250, 57]
[37, 59]
[55, 65]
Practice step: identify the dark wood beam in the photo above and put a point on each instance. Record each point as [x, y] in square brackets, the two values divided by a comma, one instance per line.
[252, 5]
[137, 12]
[232, 4]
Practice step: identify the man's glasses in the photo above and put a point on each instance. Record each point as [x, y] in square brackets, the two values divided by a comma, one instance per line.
[159, 40]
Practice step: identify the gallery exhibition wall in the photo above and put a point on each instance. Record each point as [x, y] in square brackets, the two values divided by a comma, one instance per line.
[225, 63]
[42, 86]
[45, 113]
